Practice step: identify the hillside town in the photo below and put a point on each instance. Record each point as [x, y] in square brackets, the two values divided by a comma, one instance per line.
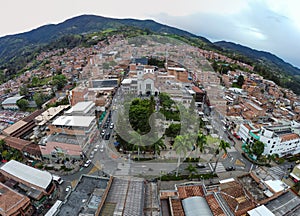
[62, 154]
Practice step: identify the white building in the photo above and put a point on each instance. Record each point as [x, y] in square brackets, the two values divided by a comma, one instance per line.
[129, 85]
[85, 108]
[280, 140]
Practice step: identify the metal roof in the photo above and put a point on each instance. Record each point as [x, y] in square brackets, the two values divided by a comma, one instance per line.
[195, 206]
[12, 100]
[28, 174]
[83, 106]
[260, 211]
[77, 121]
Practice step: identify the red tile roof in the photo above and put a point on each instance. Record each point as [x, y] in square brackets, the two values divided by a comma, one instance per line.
[197, 90]
[214, 205]
[177, 207]
[190, 191]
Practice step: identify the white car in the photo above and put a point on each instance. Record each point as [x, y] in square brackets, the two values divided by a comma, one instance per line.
[111, 126]
[102, 148]
[87, 163]
[68, 188]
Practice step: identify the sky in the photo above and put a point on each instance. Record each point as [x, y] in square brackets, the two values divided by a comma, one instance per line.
[268, 25]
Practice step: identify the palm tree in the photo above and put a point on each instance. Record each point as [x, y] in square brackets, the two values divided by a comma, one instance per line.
[271, 157]
[201, 141]
[182, 145]
[157, 146]
[192, 170]
[137, 141]
[222, 146]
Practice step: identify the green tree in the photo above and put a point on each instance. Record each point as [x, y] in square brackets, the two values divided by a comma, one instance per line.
[173, 130]
[23, 90]
[59, 81]
[137, 141]
[258, 148]
[2, 145]
[35, 81]
[182, 145]
[222, 146]
[22, 104]
[39, 99]
[165, 101]
[139, 114]
[240, 81]
[157, 146]
[201, 141]
[192, 170]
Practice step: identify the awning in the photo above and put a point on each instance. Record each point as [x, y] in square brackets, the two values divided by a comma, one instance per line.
[294, 176]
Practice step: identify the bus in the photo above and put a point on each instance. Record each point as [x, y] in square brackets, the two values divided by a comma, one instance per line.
[57, 179]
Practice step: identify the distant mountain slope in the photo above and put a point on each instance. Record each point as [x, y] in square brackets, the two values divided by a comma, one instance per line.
[259, 57]
[19, 48]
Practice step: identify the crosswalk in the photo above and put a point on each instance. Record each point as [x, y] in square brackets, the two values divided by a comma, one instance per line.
[220, 167]
[277, 170]
[122, 169]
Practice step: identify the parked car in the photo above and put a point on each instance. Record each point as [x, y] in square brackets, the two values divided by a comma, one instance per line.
[103, 132]
[230, 168]
[201, 165]
[87, 163]
[68, 188]
[107, 136]
[101, 148]
[111, 125]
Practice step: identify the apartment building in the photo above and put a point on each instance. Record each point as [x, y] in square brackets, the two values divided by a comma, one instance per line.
[280, 139]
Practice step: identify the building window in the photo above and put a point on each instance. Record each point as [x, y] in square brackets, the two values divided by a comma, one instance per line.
[272, 146]
[268, 141]
[271, 151]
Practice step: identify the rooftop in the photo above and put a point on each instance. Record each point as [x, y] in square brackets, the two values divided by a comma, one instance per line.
[74, 121]
[85, 197]
[10, 200]
[11, 100]
[108, 83]
[259, 211]
[28, 174]
[286, 204]
[83, 107]
[196, 205]
[125, 197]
[49, 114]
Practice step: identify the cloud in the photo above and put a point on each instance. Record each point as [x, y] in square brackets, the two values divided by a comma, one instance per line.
[256, 26]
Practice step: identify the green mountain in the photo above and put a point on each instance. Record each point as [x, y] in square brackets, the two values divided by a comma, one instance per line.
[266, 64]
[18, 50]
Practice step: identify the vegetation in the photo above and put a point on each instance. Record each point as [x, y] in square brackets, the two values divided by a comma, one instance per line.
[182, 144]
[174, 177]
[173, 130]
[40, 99]
[258, 148]
[22, 104]
[59, 81]
[8, 153]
